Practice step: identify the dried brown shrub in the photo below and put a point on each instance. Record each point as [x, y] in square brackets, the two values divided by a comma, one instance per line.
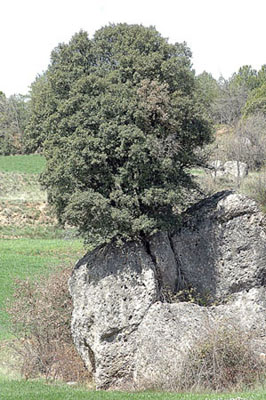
[40, 316]
[255, 187]
[223, 360]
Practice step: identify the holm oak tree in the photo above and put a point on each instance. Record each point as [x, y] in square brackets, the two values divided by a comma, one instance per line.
[120, 123]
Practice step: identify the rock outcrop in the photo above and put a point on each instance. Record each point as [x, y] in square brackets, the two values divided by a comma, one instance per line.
[124, 325]
[169, 331]
[231, 170]
[221, 246]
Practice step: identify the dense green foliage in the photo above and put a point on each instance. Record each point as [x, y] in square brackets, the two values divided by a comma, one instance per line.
[13, 121]
[208, 90]
[256, 102]
[35, 132]
[121, 121]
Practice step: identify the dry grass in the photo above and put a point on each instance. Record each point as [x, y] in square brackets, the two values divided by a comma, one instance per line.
[21, 187]
[40, 316]
[254, 186]
[224, 359]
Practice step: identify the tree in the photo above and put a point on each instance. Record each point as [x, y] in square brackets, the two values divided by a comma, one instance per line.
[261, 76]
[256, 102]
[13, 120]
[228, 105]
[121, 128]
[208, 91]
[40, 107]
[245, 77]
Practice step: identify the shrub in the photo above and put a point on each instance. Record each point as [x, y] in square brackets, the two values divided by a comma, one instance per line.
[255, 187]
[40, 316]
[223, 360]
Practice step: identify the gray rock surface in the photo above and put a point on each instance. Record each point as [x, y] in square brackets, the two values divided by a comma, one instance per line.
[165, 337]
[221, 247]
[169, 331]
[229, 169]
[123, 325]
[112, 289]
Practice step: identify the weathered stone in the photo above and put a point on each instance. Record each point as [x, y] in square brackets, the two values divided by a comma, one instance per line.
[166, 335]
[229, 169]
[164, 259]
[169, 331]
[122, 325]
[236, 169]
[221, 246]
[112, 289]
[247, 309]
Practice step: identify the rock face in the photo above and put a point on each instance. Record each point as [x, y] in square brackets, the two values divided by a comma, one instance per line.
[112, 290]
[168, 331]
[123, 325]
[229, 169]
[221, 247]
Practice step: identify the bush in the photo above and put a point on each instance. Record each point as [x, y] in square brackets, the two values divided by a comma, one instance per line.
[223, 360]
[40, 316]
[248, 142]
[255, 187]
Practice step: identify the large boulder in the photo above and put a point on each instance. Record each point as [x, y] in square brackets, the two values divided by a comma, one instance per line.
[221, 246]
[112, 289]
[168, 332]
[123, 324]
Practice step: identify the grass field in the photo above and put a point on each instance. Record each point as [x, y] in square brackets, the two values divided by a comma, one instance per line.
[22, 258]
[23, 164]
[33, 390]
[31, 243]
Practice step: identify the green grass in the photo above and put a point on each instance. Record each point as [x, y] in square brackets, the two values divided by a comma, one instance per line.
[34, 390]
[27, 164]
[197, 171]
[36, 232]
[28, 248]
[22, 258]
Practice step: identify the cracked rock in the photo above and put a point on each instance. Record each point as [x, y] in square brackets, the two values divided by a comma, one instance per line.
[123, 326]
[112, 289]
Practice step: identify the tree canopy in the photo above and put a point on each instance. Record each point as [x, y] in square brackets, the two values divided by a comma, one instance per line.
[256, 102]
[120, 122]
[13, 120]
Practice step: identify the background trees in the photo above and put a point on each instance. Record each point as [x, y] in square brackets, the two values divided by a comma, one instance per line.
[208, 90]
[120, 120]
[35, 132]
[239, 95]
[256, 102]
[13, 120]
